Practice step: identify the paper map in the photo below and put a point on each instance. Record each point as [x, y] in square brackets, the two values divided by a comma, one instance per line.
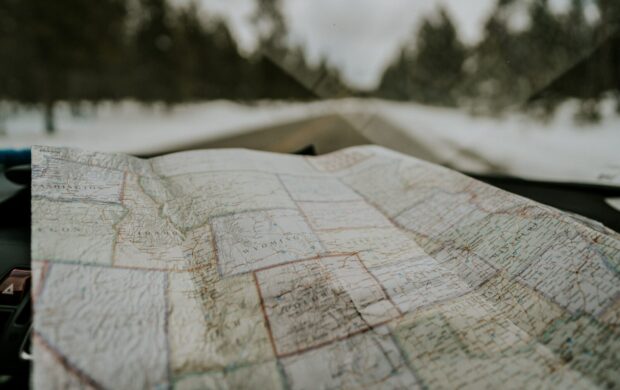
[364, 268]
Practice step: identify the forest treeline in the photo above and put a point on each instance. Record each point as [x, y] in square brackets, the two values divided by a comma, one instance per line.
[150, 51]
[513, 65]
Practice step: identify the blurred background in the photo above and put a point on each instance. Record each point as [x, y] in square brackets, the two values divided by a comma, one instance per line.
[529, 88]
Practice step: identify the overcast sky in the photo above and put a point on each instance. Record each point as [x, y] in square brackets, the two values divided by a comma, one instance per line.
[358, 36]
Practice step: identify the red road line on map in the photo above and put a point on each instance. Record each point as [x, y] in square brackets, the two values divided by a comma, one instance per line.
[317, 257]
[216, 254]
[327, 342]
[301, 211]
[334, 340]
[122, 193]
[64, 361]
[345, 228]
[121, 198]
[42, 279]
[132, 268]
[380, 285]
[265, 317]
[197, 267]
[329, 201]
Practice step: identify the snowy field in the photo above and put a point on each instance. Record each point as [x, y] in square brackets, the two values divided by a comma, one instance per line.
[515, 144]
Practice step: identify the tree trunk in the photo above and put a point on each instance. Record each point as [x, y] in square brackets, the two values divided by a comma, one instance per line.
[3, 115]
[48, 113]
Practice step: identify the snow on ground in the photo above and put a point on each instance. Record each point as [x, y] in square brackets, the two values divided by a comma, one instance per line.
[129, 127]
[514, 144]
[517, 145]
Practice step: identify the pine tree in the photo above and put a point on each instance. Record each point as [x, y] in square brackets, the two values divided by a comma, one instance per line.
[396, 80]
[59, 50]
[154, 64]
[280, 72]
[431, 72]
[195, 47]
[438, 64]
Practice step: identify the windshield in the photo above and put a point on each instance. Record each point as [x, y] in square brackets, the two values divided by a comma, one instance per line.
[528, 88]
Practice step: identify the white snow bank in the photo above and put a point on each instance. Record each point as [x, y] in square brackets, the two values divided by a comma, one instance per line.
[515, 144]
[129, 127]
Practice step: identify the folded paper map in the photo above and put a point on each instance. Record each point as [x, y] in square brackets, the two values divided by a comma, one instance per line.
[363, 268]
